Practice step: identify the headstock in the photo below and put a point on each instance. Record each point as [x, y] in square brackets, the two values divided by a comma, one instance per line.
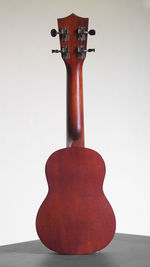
[73, 31]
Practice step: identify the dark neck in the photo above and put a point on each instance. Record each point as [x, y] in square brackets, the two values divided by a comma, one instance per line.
[75, 120]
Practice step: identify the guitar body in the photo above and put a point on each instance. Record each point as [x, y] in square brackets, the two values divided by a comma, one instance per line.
[75, 217]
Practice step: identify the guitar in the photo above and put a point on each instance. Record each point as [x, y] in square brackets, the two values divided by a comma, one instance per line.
[75, 217]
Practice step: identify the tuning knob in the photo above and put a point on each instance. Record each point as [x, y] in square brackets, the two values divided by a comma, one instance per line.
[56, 51]
[63, 33]
[54, 33]
[64, 51]
[81, 33]
[90, 50]
[92, 32]
[81, 51]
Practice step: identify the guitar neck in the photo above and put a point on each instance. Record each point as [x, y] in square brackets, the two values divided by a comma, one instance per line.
[75, 117]
[73, 31]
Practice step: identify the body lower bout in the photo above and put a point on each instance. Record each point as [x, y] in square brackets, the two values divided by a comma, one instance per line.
[75, 217]
[79, 227]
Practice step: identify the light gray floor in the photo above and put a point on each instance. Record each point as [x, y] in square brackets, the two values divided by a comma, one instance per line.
[124, 251]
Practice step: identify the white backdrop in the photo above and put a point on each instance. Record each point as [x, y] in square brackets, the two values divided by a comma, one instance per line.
[32, 103]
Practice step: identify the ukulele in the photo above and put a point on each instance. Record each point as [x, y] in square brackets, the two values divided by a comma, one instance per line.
[75, 217]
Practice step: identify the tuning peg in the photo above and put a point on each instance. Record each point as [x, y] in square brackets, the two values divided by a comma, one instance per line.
[56, 51]
[90, 50]
[63, 33]
[81, 51]
[54, 32]
[92, 32]
[81, 33]
[64, 51]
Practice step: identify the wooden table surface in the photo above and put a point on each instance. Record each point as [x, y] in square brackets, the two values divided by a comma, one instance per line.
[124, 251]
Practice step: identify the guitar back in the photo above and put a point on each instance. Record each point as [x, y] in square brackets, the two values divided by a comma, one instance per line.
[75, 217]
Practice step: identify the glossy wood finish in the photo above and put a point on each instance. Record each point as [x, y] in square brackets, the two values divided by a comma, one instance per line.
[75, 119]
[75, 217]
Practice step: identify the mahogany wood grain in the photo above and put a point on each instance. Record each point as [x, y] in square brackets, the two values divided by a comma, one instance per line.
[75, 116]
[75, 217]
[75, 120]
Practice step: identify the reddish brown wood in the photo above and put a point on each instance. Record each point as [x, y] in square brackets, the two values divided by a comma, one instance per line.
[75, 119]
[75, 217]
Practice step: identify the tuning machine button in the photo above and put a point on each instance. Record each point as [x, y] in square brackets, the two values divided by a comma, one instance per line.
[81, 33]
[54, 33]
[91, 32]
[90, 50]
[81, 51]
[64, 52]
[56, 51]
[63, 34]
